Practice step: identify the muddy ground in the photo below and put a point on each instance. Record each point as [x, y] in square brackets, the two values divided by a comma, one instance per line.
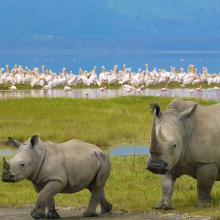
[75, 214]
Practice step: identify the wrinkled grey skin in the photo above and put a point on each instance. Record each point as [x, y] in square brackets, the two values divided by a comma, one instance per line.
[59, 168]
[185, 139]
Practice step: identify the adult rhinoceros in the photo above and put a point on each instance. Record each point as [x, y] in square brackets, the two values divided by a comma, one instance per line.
[185, 139]
[59, 168]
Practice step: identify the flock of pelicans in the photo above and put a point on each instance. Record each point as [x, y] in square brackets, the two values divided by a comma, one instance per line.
[128, 79]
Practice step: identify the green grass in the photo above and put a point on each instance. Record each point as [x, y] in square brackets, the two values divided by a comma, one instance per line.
[26, 86]
[130, 187]
[19, 86]
[106, 85]
[105, 122]
[175, 85]
[172, 85]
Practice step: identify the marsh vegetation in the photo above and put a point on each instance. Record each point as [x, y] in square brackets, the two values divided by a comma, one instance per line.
[172, 85]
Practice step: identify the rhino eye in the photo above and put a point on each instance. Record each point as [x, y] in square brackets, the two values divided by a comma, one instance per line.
[22, 164]
[174, 146]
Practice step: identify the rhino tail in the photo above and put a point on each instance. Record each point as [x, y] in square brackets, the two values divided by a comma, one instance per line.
[104, 169]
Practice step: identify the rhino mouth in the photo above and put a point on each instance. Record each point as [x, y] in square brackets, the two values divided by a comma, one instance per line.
[157, 166]
[8, 177]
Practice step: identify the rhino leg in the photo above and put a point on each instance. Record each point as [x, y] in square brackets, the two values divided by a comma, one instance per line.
[93, 202]
[52, 213]
[105, 205]
[44, 197]
[41, 212]
[206, 176]
[38, 214]
[167, 183]
[96, 187]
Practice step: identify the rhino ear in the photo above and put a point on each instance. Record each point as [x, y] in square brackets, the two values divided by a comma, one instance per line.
[13, 142]
[155, 108]
[34, 140]
[187, 113]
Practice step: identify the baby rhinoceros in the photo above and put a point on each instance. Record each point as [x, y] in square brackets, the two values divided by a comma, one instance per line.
[59, 168]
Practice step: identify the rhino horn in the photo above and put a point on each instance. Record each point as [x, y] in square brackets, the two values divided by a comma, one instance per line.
[153, 129]
[154, 149]
[5, 164]
[161, 135]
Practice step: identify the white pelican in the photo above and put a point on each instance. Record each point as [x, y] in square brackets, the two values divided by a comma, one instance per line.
[102, 89]
[199, 89]
[46, 87]
[13, 87]
[67, 88]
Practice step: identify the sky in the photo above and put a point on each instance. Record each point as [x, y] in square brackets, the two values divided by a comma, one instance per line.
[110, 24]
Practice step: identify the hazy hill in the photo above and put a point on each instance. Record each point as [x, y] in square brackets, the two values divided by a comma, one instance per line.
[110, 24]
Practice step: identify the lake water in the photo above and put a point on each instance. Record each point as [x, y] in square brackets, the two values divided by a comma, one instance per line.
[73, 60]
[110, 93]
[123, 150]
[126, 150]
[7, 152]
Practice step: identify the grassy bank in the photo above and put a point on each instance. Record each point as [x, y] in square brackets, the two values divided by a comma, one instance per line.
[172, 85]
[25, 86]
[105, 122]
[18, 86]
[130, 187]
[175, 85]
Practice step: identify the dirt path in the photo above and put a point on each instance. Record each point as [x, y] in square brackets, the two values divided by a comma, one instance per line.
[75, 214]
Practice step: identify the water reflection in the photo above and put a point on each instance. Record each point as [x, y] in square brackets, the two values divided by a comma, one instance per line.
[126, 150]
[123, 150]
[7, 153]
[109, 93]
